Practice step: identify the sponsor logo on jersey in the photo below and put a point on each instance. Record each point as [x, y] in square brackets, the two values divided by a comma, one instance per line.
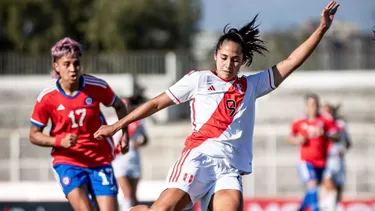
[61, 107]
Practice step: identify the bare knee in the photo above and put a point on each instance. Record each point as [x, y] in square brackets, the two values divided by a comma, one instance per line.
[329, 185]
[226, 200]
[311, 184]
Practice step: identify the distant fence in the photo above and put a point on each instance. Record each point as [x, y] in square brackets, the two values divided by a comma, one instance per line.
[150, 62]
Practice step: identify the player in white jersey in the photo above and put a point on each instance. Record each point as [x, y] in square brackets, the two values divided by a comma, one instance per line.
[219, 150]
[335, 167]
[127, 167]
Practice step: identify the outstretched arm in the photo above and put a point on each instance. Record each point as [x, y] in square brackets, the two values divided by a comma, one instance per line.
[182, 91]
[150, 107]
[283, 69]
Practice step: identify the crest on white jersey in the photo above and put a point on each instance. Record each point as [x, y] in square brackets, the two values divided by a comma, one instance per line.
[61, 107]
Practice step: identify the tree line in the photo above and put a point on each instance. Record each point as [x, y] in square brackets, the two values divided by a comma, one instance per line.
[32, 26]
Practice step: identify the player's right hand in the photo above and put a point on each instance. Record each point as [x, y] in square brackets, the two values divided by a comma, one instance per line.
[328, 14]
[69, 140]
[104, 131]
[301, 139]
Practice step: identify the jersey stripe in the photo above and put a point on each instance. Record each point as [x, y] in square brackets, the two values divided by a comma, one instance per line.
[176, 171]
[114, 100]
[193, 113]
[181, 166]
[95, 81]
[92, 80]
[37, 123]
[95, 84]
[222, 117]
[45, 91]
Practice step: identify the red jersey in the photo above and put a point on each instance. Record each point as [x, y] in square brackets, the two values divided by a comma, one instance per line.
[79, 114]
[315, 131]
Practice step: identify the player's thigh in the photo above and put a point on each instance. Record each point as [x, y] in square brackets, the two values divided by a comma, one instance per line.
[128, 186]
[107, 203]
[226, 200]
[225, 194]
[125, 186]
[79, 199]
[171, 199]
[329, 184]
[133, 186]
[104, 187]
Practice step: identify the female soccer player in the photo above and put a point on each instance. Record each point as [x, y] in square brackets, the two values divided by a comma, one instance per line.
[82, 164]
[127, 167]
[334, 172]
[219, 150]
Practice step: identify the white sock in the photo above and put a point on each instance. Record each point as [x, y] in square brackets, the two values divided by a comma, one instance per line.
[329, 201]
[125, 205]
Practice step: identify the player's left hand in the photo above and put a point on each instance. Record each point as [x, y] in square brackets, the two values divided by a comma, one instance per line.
[104, 131]
[124, 143]
[328, 15]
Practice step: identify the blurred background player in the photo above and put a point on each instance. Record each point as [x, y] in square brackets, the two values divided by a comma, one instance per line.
[219, 150]
[81, 163]
[311, 134]
[127, 167]
[335, 167]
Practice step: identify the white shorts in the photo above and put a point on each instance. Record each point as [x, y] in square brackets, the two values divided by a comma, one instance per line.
[123, 166]
[335, 171]
[201, 176]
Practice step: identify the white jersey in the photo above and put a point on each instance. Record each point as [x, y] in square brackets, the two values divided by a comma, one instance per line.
[335, 153]
[222, 113]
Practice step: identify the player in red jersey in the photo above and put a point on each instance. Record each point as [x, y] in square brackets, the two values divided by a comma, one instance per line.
[312, 133]
[82, 164]
[219, 151]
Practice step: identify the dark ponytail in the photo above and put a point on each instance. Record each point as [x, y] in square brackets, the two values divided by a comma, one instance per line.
[247, 37]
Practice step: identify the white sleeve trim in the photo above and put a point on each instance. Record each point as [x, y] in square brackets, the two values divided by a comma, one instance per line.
[172, 96]
[271, 79]
[113, 100]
